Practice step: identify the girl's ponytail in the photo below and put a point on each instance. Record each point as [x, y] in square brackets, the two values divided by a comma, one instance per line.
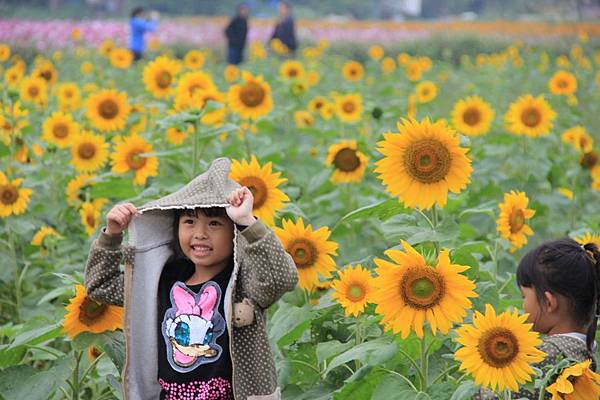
[594, 254]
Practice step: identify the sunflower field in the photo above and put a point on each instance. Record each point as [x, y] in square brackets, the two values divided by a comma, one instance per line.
[405, 186]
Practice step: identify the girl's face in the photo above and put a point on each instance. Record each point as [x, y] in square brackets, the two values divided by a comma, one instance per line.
[206, 241]
[530, 304]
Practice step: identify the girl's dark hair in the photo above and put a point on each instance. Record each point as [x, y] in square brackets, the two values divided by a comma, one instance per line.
[137, 11]
[570, 269]
[192, 212]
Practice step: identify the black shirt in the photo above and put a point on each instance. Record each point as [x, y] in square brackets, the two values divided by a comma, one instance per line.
[193, 343]
[236, 32]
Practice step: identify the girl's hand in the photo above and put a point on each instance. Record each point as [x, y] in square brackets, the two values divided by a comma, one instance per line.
[240, 211]
[119, 217]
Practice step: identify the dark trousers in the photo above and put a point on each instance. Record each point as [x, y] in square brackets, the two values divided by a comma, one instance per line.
[235, 55]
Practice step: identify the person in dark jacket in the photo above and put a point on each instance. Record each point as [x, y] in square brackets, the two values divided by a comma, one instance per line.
[236, 33]
[285, 30]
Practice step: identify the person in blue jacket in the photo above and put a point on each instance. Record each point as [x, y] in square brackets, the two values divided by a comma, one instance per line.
[139, 25]
[285, 30]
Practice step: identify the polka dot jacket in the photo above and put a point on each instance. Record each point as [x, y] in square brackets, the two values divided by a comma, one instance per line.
[262, 273]
[556, 347]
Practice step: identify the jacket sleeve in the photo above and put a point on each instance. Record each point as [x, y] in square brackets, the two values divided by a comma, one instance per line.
[270, 269]
[103, 277]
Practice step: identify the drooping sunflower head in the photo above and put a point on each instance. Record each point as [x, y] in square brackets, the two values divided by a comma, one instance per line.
[42, 233]
[349, 163]
[422, 163]
[511, 223]
[577, 382]
[472, 116]
[87, 315]
[60, 129]
[264, 185]
[251, 98]
[409, 292]
[77, 188]
[530, 116]
[13, 198]
[349, 107]
[499, 349]
[89, 152]
[131, 154]
[426, 91]
[311, 251]
[108, 110]
[121, 58]
[579, 138]
[563, 82]
[353, 71]
[291, 69]
[589, 160]
[159, 76]
[353, 289]
[90, 215]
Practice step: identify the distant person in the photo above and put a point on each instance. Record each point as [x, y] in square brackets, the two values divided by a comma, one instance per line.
[285, 30]
[236, 33]
[139, 24]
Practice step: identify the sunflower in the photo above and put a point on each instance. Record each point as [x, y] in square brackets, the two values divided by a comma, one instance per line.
[422, 163]
[513, 215]
[42, 233]
[87, 315]
[413, 71]
[231, 73]
[563, 82]
[12, 77]
[349, 108]
[499, 349]
[130, 153]
[86, 68]
[530, 116]
[194, 59]
[408, 291]
[34, 90]
[317, 103]
[198, 99]
[291, 69]
[215, 118]
[353, 289]
[4, 52]
[313, 78]
[251, 99]
[577, 382]
[388, 65]
[76, 188]
[303, 119]
[46, 71]
[108, 109]
[13, 200]
[69, 97]
[121, 58]
[90, 215]
[376, 52]
[403, 59]
[106, 47]
[353, 71]
[263, 183]
[177, 136]
[191, 84]
[426, 91]
[88, 152]
[579, 138]
[159, 76]
[589, 237]
[472, 116]
[589, 160]
[60, 129]
[349, 163]
[311, 251]
[568, 193]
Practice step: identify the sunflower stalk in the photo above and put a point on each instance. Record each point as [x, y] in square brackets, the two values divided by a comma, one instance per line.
[434, 224]
[75, 382]
[424, 362]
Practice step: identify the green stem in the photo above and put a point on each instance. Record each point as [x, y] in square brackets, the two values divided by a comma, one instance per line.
[444, 373]
[401, 376]
[413, 363]
[434, 222]
[75, 378]
[90, 367]
[195, 149]
[507, 394]
[424, 362]
[358, 339]
[247, 144]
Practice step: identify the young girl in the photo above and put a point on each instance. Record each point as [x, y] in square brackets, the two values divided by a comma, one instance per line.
[560, 284]
[199, 274]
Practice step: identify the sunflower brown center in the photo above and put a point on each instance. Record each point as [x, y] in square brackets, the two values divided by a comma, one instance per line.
[562, 84]
[108, 109]
[422, 288]
[68, 94]
[471, 116]
[86, 151]
[292, 72]
[318, 105]
[427, 160]
[33, 91]
[531, 117]
[589, 160]
[8, 194]
[356, 292]
[90, 220]
[90, 311]
[135, 160]
[303, 252]
[348, 107]
[46, 75]
[60, 130]
[258, 188]
[346, 160]
[516, 221]
[163, 79]
[498, 347]
[252, 94]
